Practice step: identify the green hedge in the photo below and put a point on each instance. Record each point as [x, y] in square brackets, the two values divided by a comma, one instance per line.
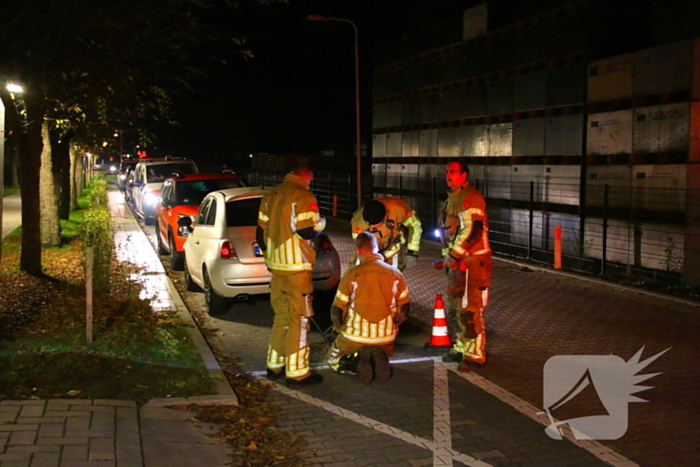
[96, 232]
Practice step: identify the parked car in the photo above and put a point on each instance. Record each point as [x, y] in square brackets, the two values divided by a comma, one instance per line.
[181, 196]
[148, 180]
[126, 166]
[223, 257]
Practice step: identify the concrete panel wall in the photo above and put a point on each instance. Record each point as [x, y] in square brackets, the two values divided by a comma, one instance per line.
[562, 184]
[609, 133]
[619, 177]
[379, 145]
[675, 60]
[475, 141]
[428, 143]
[410, 144]
[662, 128]
[394, 145]
[528, 137]
[449, 142]
[659, 187]
[521, 176]
[497, 182]
[500, 139]
[611, 79]
[564, 135]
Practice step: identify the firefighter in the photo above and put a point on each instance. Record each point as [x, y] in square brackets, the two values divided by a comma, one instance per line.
[396, 227]
[372, 300]
[288, 221]
[467, 260]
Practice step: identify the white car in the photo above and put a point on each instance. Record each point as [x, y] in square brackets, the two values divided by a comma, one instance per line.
[223, 257]
[148, 178]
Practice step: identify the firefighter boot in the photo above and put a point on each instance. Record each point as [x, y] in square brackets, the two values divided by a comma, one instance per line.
[382, 370]
[364, 367]
[313, 378]
[348, 364]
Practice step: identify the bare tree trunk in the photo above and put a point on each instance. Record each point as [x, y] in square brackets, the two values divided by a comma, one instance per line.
[60, 157]
[29, 145]
[50, 227]
[76, 170]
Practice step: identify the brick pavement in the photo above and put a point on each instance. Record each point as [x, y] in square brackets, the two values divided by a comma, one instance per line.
[116, 433]
[11, 213]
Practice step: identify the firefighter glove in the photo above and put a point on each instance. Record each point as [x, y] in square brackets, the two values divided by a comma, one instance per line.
[337, 318]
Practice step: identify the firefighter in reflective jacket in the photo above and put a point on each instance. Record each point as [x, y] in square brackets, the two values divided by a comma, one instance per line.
[396, 227]
[372, 300]
[288, 221]
[467, 260]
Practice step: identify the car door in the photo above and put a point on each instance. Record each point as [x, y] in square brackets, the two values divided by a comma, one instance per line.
[163, 209]
[136, 190]
[194, 246]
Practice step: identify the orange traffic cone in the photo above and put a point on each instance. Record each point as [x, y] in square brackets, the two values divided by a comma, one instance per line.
[439, 340]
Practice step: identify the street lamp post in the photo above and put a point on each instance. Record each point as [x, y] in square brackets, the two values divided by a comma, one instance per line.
[358, 146]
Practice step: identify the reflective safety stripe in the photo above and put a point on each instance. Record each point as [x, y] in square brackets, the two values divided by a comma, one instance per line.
[414, 241]
[341, 296]
[275, 361]
[370, 340]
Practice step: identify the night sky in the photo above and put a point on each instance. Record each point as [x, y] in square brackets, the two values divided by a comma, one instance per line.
[297, 95]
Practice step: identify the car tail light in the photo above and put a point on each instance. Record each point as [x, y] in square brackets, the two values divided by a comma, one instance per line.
[324, 245]
[227, 251]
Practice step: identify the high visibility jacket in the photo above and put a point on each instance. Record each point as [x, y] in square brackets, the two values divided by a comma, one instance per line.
[389, 233]
[462, 208]
[371, 295]
[284, 210]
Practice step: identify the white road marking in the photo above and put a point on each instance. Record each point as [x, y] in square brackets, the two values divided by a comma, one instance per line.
[442, 429]
[599, 450]
[441, 451]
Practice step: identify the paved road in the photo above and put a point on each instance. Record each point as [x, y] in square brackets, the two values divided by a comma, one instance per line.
[429, 414]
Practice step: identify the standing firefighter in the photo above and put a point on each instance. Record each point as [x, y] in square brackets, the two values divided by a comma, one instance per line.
[395, 225]
[287, 224]
[372, 300]
[467, 259]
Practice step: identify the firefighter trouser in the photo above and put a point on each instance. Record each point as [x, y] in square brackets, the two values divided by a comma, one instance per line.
[291, 298]
[344, 346]
[467, 301]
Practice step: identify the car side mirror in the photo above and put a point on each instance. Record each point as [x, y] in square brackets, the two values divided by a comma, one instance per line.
[184, 226]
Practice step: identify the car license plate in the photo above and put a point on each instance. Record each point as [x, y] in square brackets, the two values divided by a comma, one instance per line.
[257, 250]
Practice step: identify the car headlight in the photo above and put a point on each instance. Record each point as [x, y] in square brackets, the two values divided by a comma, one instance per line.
[122, 176]
[150, 199]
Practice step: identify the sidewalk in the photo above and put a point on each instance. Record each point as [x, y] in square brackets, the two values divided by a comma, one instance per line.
[116, 433]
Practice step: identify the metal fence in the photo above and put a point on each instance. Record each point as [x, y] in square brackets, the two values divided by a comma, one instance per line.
[643, 232]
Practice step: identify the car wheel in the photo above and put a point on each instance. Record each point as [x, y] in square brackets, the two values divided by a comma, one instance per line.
[189, 283]
[148, 220]
[177, 259]
[215, 302]
[159, 241]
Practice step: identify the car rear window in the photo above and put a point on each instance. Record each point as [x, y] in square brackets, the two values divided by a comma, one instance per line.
[159, 172]
[192, 192]
[242, 212]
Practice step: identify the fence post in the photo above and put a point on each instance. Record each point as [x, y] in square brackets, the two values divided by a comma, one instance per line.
[349, 193]
[433, 198]
[89, 261]
[557, 247]
[532, 216]
[606, 193]
[400, 185]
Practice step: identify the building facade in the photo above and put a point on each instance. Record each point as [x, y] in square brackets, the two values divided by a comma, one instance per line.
[581, 115]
